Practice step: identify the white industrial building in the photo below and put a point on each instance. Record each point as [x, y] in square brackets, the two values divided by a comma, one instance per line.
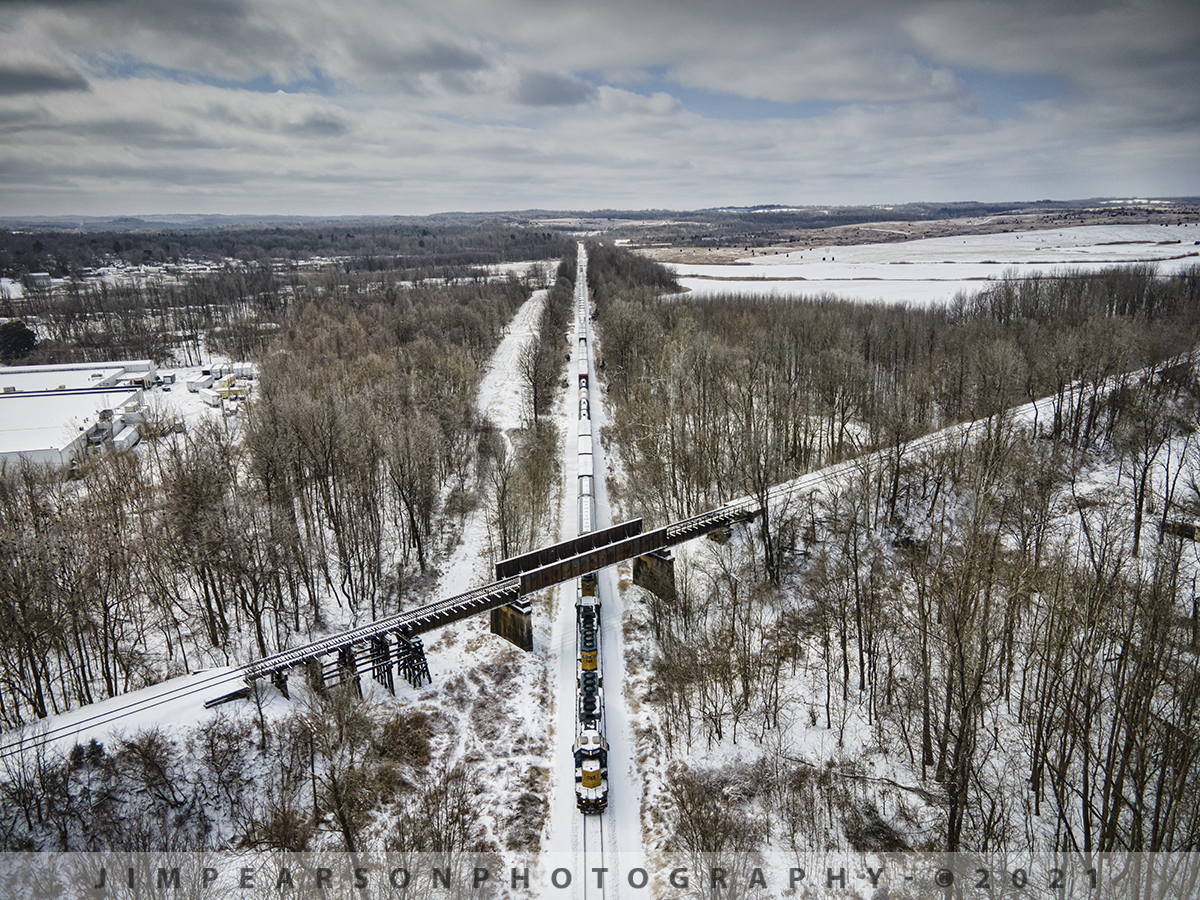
[51, 414]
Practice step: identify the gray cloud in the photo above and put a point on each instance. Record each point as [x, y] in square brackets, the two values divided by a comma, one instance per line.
[549, 89]
[317, 127]
[230, 39]
[38, 81]
[407, 63]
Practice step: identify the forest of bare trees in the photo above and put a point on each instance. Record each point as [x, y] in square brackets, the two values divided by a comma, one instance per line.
[345, 481]
[335, 764]
[1008, 621]
[159, 562]
[408, 248]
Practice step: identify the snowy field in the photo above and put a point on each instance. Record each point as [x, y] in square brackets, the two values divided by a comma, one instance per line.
[515, 710]
[933, 270]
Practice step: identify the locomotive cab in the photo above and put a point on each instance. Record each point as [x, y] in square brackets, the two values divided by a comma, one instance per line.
[589, 744]
[591, 771]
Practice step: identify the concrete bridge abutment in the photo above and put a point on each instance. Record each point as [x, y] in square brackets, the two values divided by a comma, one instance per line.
[514, 623]
[656, 573]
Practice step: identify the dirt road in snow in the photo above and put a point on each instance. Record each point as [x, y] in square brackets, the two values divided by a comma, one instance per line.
[501, 398]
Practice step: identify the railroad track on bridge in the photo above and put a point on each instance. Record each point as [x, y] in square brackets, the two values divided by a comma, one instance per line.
[570, 560]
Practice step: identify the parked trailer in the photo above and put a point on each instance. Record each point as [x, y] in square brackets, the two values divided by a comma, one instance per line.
[200, 382]
[127, 439]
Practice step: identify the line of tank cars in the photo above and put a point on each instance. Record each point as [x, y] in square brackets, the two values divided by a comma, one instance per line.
[591, 748]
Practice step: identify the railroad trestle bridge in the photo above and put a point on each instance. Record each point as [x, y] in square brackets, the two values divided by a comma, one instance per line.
[392, 646]
[393, 643]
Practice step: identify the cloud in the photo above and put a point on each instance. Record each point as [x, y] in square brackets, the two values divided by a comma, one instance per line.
[549, 89]
[14, 80]
[1134, 61]
[411, 64]
[424, 105]
[318, 127]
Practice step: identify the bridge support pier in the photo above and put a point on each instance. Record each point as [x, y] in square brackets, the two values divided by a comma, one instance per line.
[381, 662]
[656, 573]
[279, 679]
[410, 659]
[315, 672]
[349, 666]
[514, 623]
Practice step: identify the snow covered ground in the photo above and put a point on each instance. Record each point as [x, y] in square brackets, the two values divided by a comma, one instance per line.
[175, 402]
[933, 270]
[173, 705]
[623, 849]
[501, 398]
[533, 704]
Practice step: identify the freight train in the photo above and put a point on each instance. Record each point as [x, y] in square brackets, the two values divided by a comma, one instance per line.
[591, 748]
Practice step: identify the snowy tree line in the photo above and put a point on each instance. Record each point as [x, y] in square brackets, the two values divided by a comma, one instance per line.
[719, 395]
[234, 312]
[1004, 649]
[345, 482]
[335, 766]
[523, 477]
[185, 316]
[412, 248]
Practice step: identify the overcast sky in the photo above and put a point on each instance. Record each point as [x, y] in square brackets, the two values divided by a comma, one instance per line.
[406, 107]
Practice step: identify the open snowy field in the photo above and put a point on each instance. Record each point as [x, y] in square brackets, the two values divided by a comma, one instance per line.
[933, 270]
